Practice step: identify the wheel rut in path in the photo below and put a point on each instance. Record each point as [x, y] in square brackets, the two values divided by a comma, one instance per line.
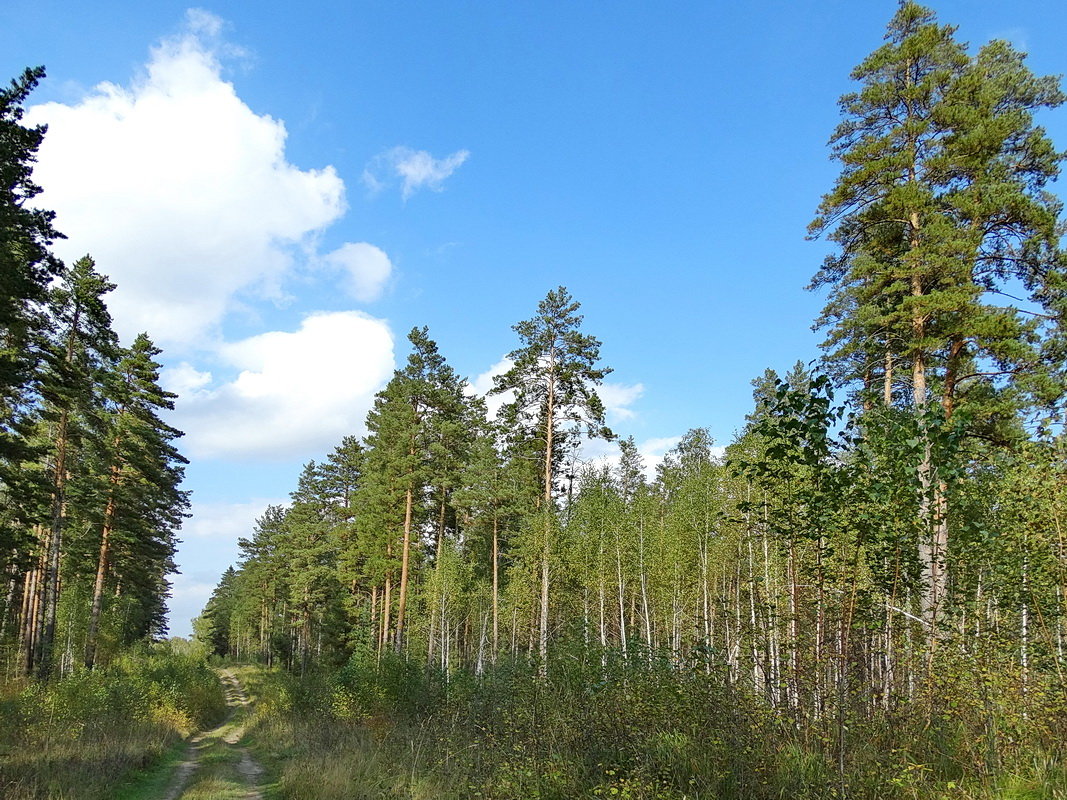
[215, 763]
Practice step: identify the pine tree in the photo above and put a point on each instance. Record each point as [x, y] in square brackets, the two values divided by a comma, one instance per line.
[941, 204]
[416, 435]
[26, 268]
[554, 377]
[140, 472]
[263, 582]
[310, 549]
[490, 500]
[213, 626]
[83, 345]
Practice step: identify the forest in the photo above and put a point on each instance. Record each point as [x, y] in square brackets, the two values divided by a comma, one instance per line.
[862, 594]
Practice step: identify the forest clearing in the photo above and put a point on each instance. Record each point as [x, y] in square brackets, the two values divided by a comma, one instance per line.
[862, 594]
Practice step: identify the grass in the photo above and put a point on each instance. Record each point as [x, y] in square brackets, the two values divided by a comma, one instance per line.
[89, 735]
[393, 731]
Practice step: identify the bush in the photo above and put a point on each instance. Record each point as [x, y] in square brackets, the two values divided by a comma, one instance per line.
[77, 736]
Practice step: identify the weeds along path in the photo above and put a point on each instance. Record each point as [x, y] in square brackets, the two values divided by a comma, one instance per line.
[216, 766]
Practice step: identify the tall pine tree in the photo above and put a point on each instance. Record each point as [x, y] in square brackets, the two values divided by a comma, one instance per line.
[554, 376]
[939, 208]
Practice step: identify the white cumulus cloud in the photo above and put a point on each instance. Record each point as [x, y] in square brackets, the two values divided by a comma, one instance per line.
[482, 384]
[295, 392]
[184, 380]
[416, 169]
[366, 268]
[181, 192]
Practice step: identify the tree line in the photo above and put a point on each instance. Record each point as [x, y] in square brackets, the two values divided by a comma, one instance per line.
[842, 555]
[89, 472]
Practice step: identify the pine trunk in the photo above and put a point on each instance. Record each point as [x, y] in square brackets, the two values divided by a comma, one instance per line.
[91, 638]
[403, 595]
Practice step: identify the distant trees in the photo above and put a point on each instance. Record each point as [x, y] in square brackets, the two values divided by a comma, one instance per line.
[436, 500]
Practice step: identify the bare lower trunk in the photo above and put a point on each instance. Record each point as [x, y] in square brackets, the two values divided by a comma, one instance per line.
[496, 588]
[542, 641]
[30, 606]
[101, 573]
[887, 378]
[622, 598]
[386, 607]
[50, 593]
[402, 600]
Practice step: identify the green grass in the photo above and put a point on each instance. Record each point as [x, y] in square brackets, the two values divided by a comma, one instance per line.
[151, 783]
[87, 735]
[654, 733]
[395, 730]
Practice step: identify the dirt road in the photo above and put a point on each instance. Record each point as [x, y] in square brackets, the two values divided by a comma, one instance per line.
[215, 765]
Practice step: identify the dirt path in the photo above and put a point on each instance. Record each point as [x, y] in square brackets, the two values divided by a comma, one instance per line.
[215, 764]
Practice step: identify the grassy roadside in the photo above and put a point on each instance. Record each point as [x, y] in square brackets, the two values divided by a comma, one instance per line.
[151, 782]
[312, 753]
[86, 736]
[395, 731]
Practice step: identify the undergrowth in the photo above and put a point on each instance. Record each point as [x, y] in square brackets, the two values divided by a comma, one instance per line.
[79, 737]
[647, 728]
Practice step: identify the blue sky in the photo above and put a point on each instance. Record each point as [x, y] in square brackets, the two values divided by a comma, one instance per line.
[283, 193]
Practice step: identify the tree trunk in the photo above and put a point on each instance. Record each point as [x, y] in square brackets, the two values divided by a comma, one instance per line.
[550, 425]
[887, 377]
[101, 573]
[55, 540]
[30, 607]
[496, 586]
[621, 592]
[403, 595]
[386, 607]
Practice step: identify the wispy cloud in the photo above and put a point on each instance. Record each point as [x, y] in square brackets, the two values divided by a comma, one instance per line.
[617, 398]
[415, 170]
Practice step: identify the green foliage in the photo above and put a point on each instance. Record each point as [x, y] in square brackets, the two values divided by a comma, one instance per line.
[603, 725]
[940, 203]
[89, 474]
[554, 375]
[80, 735]
[863, 600]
